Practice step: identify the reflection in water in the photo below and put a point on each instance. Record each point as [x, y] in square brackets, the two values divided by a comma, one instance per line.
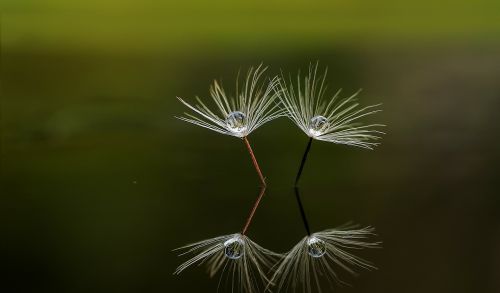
[318, 253]
[239, 257]
[236, 253]
[76, 123]
[241, 260]
[247, 264]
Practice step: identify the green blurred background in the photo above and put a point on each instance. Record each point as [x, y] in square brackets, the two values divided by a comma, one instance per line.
[100, 182]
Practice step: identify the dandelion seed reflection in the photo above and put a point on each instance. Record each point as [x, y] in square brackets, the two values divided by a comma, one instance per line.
[242, 261]
[321, 254]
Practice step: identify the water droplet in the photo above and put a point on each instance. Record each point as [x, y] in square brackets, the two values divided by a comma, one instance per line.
[236, 121]
[316, 247]
[234, 247]
[318, 125]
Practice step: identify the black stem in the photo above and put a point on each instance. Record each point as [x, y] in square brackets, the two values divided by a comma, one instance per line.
[302, 163]
[302, 211]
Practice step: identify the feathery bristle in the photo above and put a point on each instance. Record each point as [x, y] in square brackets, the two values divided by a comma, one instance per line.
[316, 256]
[246, 263]
[255, 102]
[305, 102]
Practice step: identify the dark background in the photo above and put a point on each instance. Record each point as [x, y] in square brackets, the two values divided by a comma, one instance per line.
[99, 182]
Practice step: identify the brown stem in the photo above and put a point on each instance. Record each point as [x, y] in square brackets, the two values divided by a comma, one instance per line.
[254, 208]
[254, 160]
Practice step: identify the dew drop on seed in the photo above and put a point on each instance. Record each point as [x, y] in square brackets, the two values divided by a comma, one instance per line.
[233, 248]
[318, 125]
[316, 247]
[235, 121]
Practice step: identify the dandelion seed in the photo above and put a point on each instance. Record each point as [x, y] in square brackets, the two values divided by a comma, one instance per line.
[253, 105]
[335, 120]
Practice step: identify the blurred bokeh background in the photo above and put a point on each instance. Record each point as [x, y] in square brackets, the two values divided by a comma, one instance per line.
[99, 182]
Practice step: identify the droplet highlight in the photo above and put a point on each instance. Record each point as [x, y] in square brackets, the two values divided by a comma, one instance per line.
[236, 122]
[234, 248]
[318, 125]
[316, 247]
